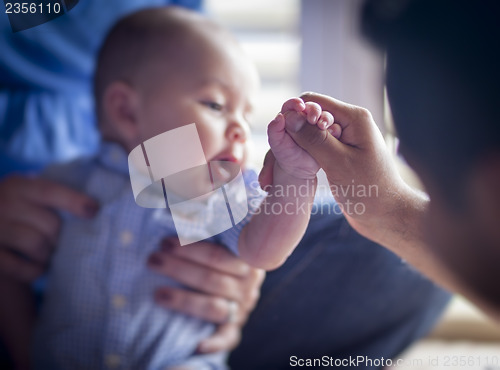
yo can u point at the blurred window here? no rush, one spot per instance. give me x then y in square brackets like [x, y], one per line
[269, 32]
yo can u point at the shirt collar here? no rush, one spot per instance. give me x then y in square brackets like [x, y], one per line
[114, 157]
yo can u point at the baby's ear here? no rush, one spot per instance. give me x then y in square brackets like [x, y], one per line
[120, 110]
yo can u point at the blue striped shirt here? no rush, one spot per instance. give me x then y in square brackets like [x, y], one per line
[99, 310]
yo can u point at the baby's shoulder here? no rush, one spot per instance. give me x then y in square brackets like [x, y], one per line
[72, 174]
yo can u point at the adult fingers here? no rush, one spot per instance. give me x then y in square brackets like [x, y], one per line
[320, 144]
[25, 240]
[15, 266]
[197, 276]
[208, 254]
[39, 218]
[226, 337]
[358, 127]
[209, 308]
[343, 112]
[202, 268]
[50, 194]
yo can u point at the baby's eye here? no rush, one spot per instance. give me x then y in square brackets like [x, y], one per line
[213, 105]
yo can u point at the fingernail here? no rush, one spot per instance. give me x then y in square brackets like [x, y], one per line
[155, 260]
[294, 125]
[90, 209]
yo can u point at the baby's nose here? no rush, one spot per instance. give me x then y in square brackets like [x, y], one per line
[236, 132]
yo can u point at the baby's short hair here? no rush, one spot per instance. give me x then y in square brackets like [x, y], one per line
[141, 36]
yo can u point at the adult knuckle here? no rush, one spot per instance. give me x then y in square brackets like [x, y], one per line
[242, 269]
[215, 255]
[217, 282]
[253, 297]
[214, 308]
[257, 275]
[307, 95]
[171, 267]
[178, 300]
[363, 114]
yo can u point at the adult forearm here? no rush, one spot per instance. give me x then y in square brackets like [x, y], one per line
[403, 231]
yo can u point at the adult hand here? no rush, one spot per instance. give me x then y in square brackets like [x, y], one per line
[29, 224]
[224, 289]
[362, 174]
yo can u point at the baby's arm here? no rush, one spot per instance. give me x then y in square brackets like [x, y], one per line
[279, 224]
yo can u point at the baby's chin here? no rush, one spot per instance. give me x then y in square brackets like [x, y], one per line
[199, 182]
[222, 172]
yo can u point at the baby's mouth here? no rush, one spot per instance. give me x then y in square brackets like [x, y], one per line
[226, 158]
[223, 169]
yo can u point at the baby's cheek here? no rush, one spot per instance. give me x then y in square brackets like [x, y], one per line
[247, 153]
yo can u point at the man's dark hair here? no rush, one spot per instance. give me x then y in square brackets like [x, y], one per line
[443, 80]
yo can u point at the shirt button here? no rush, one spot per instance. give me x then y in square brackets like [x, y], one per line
[119, 301]
[113, 361]
[126, 237]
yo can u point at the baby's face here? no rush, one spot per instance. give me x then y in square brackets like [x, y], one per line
[214, 89]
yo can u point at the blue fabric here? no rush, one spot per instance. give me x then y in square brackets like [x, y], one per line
[339, 294]
[99, 299]
[46, 105]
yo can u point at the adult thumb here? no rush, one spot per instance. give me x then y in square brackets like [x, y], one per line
[320, 144]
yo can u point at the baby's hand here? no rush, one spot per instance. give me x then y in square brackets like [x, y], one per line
[289, 156]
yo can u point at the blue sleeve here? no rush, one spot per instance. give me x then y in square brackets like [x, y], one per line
[46, 103]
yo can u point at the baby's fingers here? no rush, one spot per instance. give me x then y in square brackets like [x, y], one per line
[325, 120]
[277, 125]
[294, 104]
[312, 112]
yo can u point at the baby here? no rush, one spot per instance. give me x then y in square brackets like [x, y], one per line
[158, 70]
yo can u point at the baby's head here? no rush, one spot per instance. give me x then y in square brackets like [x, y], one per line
[163, 68]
